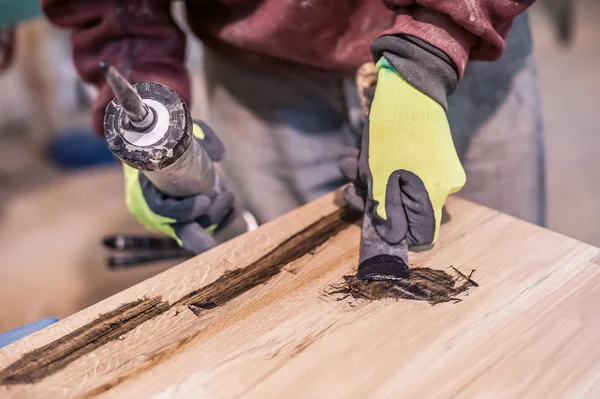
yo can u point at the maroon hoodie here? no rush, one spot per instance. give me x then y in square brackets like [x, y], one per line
[290, 37]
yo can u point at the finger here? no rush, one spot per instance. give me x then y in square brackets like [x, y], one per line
[348, 165]
[194, 238]
[209, 141]
[351, 152]
[354, 197]
[409, 212]
[183, 210]
[395, 225]
[221, 207]
[418, 209]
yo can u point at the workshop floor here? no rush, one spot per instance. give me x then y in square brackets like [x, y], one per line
[51, 222]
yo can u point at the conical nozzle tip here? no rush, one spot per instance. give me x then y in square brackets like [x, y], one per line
[139, 114]
[103, 66]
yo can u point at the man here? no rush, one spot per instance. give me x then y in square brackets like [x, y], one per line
[281, 97]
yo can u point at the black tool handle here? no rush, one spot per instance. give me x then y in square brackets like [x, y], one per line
[124, 242]
[134, 260]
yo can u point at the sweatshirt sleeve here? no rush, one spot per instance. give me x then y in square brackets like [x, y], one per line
[138, 37]
[463, 29]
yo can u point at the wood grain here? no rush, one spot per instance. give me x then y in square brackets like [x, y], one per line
[528, 330]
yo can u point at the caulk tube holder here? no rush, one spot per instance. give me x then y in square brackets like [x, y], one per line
[165, 150]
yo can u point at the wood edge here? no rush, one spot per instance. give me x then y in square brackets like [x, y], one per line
[454, 200]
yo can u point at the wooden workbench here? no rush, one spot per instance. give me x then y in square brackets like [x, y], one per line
[529, 329]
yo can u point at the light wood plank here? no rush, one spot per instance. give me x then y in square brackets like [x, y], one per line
[529, 329]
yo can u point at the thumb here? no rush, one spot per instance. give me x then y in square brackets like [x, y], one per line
[194, 238]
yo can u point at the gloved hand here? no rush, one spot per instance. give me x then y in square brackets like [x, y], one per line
[190, 221]
[406, 167]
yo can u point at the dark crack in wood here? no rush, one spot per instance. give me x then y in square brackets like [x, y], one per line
[235, 282]
[48, 359]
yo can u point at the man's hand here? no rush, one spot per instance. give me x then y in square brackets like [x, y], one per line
[190, 221]
[407, 165]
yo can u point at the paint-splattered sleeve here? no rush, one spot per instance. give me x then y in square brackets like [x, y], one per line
[463, 29]
[138, 37]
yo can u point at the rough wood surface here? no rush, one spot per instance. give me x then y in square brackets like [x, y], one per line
[529, 329]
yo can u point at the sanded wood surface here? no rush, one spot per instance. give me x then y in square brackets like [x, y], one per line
[530, 329]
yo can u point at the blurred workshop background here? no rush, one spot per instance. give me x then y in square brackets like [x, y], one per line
[53, 215]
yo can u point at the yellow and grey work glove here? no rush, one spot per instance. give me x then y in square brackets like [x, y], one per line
[190, 221]
[406, 168]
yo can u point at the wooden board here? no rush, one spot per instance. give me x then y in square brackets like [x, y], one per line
[53, 262]
[530, 329]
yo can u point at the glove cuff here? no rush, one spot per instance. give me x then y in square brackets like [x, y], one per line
[424, 66]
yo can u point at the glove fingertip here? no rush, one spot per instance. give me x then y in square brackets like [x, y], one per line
[350, 152]
[194, 238]
[354, 198]
[349, 168]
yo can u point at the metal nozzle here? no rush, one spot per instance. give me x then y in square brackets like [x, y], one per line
[139, 114]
